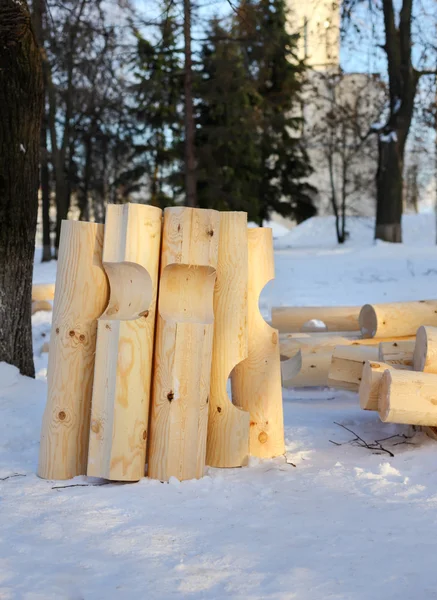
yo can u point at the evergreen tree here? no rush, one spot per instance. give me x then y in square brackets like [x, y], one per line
[158, 97]
[277, 76]
[228, 148]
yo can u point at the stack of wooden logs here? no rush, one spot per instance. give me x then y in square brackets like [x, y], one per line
[388, 355]
[152, 314]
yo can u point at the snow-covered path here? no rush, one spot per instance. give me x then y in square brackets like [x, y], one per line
[343, 523]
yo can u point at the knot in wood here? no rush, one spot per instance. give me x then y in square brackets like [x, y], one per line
[95, 426]
[170, 396]
[263, 437]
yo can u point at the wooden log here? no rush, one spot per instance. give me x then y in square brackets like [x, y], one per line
[335, 318]
[326, 342]
[228, 425]
[425, 350]
[80, 298]
[43, 291]
[347, 365]
[290, 367]
[124, 352]
[256, 381]
[41, 305]
[313, 373]
[183, 351]
[398, 354]
[408, 397]
[370, 382]
[397, 319]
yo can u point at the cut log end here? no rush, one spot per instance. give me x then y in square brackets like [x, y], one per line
[384, 396]
[420, 349]
[368, 321]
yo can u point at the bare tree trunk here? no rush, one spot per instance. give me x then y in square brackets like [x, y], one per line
[190, 157]
[45, 194]
[389, 192]
[21, 101]
[38, 24]
[402, 86]
[84, 204]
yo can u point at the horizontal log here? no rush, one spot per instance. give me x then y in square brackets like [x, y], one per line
[41, 305]
[425, 351]
[396, 319]
[305, 318]
[313, 372]
[398, 354]
[347, 365]
[315, 342]
[43, 291]
[408, 397]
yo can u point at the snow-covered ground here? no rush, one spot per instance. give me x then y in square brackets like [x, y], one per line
[333, 520]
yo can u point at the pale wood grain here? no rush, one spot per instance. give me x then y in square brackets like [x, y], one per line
[398, 354]
[347, 366]
[314, 370]
[408, 397]
[397, 319]
[183, 351]
[326, 342]
[370, 382]
[335, 318]
[228, 425]
[81, 296]
[43, 291]
[425, 350]
[125, 336]
[41, 305]
[256, 381]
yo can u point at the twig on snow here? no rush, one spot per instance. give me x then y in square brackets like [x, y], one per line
[13, 475]
[360, 442]
[62, 487]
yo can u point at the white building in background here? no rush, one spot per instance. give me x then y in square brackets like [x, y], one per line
[318, 24]
[337, 107]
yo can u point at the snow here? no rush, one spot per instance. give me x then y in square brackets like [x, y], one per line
[391, 136]
[334, 520]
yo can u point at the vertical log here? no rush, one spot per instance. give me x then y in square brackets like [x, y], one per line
[178, 424]
[228, 425]
[125, 335]
[81, 294]
[256, 382]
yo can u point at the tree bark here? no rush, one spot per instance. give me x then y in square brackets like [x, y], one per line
[38, 24]
[21, 101]
[45, 196]
[190, 157]
[392, 139]
[389, 192]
